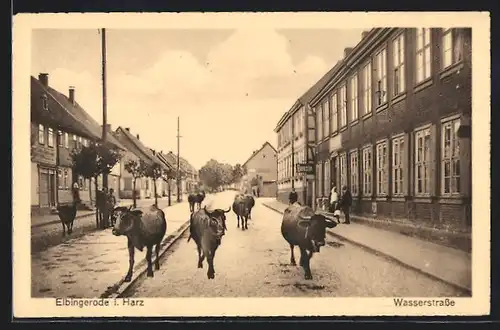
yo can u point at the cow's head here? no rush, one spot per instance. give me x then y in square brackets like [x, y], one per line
[315, 226]
[217, 221]
[125, 218]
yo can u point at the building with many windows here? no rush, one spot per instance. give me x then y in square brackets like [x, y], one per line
[394, 125]
[296, 144]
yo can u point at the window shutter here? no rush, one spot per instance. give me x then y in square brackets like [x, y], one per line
[386, 167]
[434, 158]
[406, 169]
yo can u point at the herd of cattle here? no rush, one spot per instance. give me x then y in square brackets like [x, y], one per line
[300, 226]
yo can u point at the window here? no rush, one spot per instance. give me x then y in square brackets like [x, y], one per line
[381, 76]
[382, 168]
[60, 183]
[398, 53]
[367, 88]
[74, 141]
[41, 134]
[343, 170]
[422, 161]
[86, 142]
[447, 47]
[367, 171]
[354, 98]
[354, 173]
[320, 179]
[50, 137]
[343, 106]
[66, 180]
[66, 140]
[423, 60]
[326, 118]
[397, 165]
[334, 118]
[450, 157]
[45, 104]
[319, 124]
[60, 139]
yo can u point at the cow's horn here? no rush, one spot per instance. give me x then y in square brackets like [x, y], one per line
[229, 209]
[130, 207]
[303, 217]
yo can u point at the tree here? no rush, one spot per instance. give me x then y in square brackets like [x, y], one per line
[238, 173]
[226, 171]
[154, 171]
[92, 161]
[211, 174]
[136, 169]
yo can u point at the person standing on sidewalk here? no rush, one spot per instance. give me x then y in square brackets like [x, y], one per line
[345, 204]
[76, 192]
[334, 201]
[292, 197]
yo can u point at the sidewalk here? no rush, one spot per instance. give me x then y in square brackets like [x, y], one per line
[44, 220]
[450, 265]
[87, 266]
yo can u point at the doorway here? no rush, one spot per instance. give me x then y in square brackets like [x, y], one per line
[47, 187]
[334, 171]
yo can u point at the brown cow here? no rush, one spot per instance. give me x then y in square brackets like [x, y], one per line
[207, 228]
[143, 229]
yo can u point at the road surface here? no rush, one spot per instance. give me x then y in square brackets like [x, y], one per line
[255, 263]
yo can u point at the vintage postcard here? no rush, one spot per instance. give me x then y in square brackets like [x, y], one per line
[259, 164]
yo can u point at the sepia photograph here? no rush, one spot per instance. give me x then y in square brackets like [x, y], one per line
[251, 158]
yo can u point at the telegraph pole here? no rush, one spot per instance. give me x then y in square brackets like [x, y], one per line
[293, 152]
[104, 121]
[178, 163]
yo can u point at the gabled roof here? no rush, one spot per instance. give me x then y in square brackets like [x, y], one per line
[162, 160]
[145, 153]
[77, 112]
[55, 115]
[258, 151]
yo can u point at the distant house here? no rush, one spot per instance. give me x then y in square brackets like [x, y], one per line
[58, 126]
[261, 170]
[136, 151]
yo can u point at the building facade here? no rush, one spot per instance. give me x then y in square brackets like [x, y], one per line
[57, 129]
[394, 126]
[262, 171]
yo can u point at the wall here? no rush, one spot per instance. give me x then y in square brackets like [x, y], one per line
[42, 153]
[446, 92]
[264, 163]
[34, 184]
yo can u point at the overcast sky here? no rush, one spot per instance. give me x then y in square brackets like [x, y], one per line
[229, 87]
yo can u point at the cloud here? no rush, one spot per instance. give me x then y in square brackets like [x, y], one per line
[229, 104]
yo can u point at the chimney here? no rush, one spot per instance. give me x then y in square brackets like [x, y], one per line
[364, 34]
[72, 94]
[127, 129]
[137, 136]
[44, 79]
[347, 51]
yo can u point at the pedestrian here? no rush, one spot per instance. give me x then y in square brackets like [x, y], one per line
[76, 192]
[258, 192]
[334, 199]
[345, 204]
[111, 205]
[292, 197]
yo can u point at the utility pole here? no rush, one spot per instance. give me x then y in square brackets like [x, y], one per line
[293, 151]
[178, 163]
[104, 122]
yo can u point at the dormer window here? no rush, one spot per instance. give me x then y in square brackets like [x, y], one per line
[45, 104]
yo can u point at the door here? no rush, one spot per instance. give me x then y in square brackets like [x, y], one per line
[333, 168]
[47, 187]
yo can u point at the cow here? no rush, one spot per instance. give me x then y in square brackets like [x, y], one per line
[251, 204]
[207, 228]
[195, 199]
[242, 207]
[302, 227]
[143, 229]
[103, 202]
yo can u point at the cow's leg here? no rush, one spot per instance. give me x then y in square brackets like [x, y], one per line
[70, 227]
[201, 257]
[131, 252]
[64, 228]
[157, 260]
[304, 262]
[292, 256]
[210, 261]
[238, 217]
[246, 222]
[149, 252]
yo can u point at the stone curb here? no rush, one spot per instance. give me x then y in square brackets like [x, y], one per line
[116, 290]
[389, 257]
